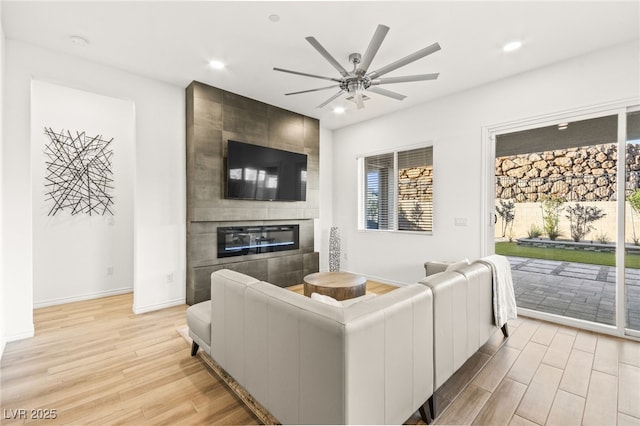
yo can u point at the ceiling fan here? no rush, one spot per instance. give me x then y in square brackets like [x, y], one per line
[359, 81]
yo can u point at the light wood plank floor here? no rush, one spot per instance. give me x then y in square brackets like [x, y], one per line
[96, 362]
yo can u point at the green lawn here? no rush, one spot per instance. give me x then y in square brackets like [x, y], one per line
[578, 256]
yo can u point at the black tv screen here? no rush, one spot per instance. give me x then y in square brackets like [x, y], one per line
[260, 173]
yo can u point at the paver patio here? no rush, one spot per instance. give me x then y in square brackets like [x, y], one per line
[575, 290]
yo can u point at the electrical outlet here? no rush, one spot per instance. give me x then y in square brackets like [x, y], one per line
[109, 270]
[170, 277]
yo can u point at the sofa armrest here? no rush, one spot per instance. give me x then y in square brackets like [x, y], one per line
[432, 267]
[227, 319]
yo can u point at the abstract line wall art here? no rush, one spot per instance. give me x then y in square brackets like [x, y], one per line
[79, 175]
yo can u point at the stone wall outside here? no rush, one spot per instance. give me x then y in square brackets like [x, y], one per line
[416, 184]
[577, 174]
[583, 175]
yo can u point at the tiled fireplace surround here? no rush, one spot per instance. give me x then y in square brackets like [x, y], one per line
[213, 117]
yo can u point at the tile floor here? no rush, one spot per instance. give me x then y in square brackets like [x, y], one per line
[546, 374]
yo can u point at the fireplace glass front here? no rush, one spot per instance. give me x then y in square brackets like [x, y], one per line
[245, 240]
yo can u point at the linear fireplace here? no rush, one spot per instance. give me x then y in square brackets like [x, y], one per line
[245, 240]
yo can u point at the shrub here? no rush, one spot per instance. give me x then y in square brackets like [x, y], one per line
[534, 231]
[602, 238]
[412, 220]
[506, 211]
[551, 206]
[634, 202]
[581, 218]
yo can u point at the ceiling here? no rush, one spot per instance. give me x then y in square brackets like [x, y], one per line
[174, 42]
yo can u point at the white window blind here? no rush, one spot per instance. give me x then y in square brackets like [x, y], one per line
[415, 190]
[379, 191]
[398, 190]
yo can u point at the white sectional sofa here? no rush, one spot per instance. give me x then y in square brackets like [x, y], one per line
[307, 362]
[375, 360]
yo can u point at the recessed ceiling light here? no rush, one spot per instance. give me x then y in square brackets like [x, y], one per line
[215, 64]
[512, 46]
[274, 18]
[339, 110]
[79, 41]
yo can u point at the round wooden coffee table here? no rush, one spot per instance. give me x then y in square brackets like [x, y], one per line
[339, 285]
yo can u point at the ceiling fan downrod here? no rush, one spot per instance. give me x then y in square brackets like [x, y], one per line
[357, 81]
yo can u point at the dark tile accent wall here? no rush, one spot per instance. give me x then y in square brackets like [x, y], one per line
[213, 117]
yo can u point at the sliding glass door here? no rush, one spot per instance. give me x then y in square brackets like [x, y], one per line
[566, 207]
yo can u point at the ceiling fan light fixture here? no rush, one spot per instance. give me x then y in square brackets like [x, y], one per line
[339, 110]
[356, 85]
[512, 46]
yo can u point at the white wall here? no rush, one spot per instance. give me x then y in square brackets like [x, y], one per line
[159, 183]
[98, 248]
[324, 223]
[454, 126]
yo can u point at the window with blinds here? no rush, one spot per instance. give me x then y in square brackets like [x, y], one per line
[398, 191]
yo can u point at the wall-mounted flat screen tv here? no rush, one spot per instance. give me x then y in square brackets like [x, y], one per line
[260, 173]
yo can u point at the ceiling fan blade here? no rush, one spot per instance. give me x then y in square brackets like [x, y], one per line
[374, 45]
[331, 99]
[404, 61]
[307, 75]
[385, 92]
[359, 100]
[404, 79]
[312, 90]
[327, 56]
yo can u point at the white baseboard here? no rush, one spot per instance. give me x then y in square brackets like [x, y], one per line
[82, 297]
[158, 306]
[20, 335]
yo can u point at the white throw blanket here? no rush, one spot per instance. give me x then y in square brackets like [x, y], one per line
[504, 300]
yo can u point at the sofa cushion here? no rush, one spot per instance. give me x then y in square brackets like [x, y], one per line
[199, 320]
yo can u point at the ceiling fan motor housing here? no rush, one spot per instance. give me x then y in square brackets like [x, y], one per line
[355, 84]
[356, 81]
